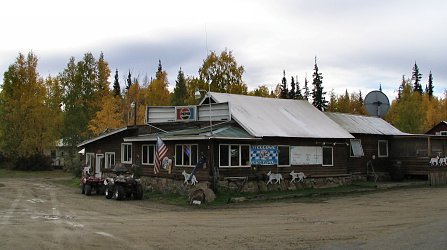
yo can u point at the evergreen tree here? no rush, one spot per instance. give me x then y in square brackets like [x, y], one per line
[292, 94]
[284, 90]
[416, 78]
[129, 81]
[180, 93]
[298, 94]
[306, 92]
[429, 88]
[116, 85]
[401, 88]
[318, 94]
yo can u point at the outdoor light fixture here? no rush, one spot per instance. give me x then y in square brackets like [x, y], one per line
[133, 105]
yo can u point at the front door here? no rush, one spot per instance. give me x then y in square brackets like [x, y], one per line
[99, 164]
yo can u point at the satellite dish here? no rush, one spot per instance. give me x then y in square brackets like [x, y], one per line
[376, 103]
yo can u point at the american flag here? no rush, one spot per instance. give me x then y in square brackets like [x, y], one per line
[161, 151]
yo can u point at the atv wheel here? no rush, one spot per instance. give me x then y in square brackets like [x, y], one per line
[100, 189]
[82, 188]
[138, 194]
[119, 193]
[108, 193]
[88, 189]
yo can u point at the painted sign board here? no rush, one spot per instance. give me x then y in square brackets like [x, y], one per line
[263, 155]
[306, 155]
[205, 112]
[185, 113]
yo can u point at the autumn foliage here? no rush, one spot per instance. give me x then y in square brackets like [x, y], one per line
[80, 102]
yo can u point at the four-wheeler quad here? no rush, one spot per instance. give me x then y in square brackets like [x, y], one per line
[124, 185]
[91, 183]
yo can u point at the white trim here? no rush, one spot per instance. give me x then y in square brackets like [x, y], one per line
[106, 159]
[102, 136]
[378, 149]
[190, 158]
[288, 165]
[240, 155]
[92, 156]
[142, 154]
[322, 156]
[123, 145]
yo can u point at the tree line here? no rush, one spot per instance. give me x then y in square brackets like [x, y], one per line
[78, 103]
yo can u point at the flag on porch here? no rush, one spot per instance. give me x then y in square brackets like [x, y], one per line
[161, 151]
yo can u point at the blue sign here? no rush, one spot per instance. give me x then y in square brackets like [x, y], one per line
[263, 155]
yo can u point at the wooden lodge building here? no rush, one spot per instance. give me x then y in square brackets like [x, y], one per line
[244, 138]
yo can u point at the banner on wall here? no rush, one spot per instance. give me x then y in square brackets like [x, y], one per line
[263, 155]
[306, 155]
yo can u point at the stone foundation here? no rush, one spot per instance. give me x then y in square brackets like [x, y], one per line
[255, 186]
[165, 185]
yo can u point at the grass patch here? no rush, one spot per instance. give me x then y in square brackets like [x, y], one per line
[225, 197]
[71, 182]
[7, 173]
[166, 198]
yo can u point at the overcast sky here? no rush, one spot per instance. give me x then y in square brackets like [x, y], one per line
[359, 44]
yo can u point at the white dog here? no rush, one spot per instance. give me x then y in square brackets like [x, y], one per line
[434, 161]
[276, 177]
[443, 161]
[193, 178]
[300, 176]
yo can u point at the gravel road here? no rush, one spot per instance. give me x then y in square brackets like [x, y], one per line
[37, 214]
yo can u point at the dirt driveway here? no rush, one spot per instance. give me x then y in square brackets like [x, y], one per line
[37, 214]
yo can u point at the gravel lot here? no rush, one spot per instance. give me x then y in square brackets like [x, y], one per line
[37, 214]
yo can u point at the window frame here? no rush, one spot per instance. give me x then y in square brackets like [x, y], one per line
[93, 157]
[332, 157]
[443, 133]
[124, 151]
[142, 154]
[351, 151]
[378, 149]
[183, 153]
[279, 151]
[240, 155]
[106, 160]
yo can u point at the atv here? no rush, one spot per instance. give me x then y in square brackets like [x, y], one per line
[91, 183]
[123, 185]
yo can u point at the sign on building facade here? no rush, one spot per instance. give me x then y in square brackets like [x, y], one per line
[185, 113]
[306, 155]
[263, 155]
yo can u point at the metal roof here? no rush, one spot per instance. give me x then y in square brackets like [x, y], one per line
[104, 136]
[274, 117]
[219, 132]
[358, 124]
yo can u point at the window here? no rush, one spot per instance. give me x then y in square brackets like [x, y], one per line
[186, 154]
[356, 148]
[283, 156]
[147, 153]
[233, 155]
[110, 159]
[90, 157]
[126, 153]
[443, 132]
[328, 156]
[383, 148]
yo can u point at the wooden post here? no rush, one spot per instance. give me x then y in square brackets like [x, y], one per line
[429, 147]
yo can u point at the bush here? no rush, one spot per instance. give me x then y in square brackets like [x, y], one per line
[73, 164]
[37, 162]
